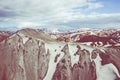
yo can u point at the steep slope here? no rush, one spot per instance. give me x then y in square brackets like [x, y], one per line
[63, 69]
[23, 57]
[74, 61]
[36, 34]
[114, 53]
[68, 68]
[116, 35]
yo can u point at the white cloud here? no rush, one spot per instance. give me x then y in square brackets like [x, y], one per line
[95, 5]
[98, 16]
[54, 13]
[42, 8]
[27, 24]
[94, 20]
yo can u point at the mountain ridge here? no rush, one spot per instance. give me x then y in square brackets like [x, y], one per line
[28, 55]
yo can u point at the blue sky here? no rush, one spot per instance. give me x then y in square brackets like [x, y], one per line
[110, 6]
[59, 14]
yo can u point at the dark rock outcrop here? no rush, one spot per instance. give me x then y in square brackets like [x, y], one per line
[63, 69]
[84, 67]
[94, 38]
[79, 71]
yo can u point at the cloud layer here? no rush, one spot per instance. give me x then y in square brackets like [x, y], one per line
[56, 13]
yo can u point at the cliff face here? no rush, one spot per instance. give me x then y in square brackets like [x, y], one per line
[63, 69]
[82, 68]
[23, 58]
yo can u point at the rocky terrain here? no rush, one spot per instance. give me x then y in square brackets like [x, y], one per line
[5, 34]
[29, 54]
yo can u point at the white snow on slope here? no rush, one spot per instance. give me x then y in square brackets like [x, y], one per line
[90, 49]
[105, 72]
[73, 49]
[98, 64]
[108, 72]
[55, 48]
[24, 38]
[117, 44]
[101, 71]
[73, 34]
[86, 43]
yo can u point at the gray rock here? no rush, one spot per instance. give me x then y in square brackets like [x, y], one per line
[19, 61]
[63, 69]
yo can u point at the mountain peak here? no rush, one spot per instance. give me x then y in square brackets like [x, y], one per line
[33, 33]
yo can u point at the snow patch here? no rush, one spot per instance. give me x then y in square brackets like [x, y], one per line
[117, 44]
[87, 43]
[73, 49]
[54, 50]
[110, 70]
[24, 38]
[102, 50]
[105, 72]
[89, 48]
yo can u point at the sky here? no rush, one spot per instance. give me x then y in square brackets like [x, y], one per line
[59, 14]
